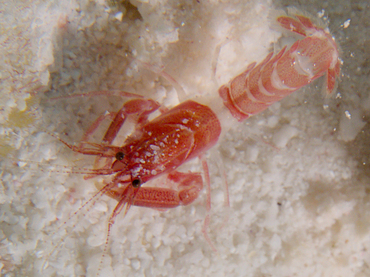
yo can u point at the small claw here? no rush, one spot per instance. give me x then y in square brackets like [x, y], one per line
[292, 25]
[331, 77]
[306, 22]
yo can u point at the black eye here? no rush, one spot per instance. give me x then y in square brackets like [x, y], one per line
[120, 156]
[136, 183]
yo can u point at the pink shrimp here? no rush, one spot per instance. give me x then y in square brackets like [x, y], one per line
[158, 147]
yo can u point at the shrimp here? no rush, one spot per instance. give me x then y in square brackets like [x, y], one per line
[189, 129]
[159, 146]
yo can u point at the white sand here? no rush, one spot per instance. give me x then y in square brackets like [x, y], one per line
[297, 173]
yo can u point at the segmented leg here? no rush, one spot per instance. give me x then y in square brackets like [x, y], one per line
[208, 203]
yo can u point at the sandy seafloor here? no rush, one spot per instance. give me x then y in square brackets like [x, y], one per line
[298, 173]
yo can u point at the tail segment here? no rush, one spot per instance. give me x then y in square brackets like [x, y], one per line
[291, 69]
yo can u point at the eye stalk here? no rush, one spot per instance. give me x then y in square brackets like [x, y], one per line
[120, 156]
[136, 183]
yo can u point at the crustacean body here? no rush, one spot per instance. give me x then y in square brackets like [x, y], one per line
[159, 146]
